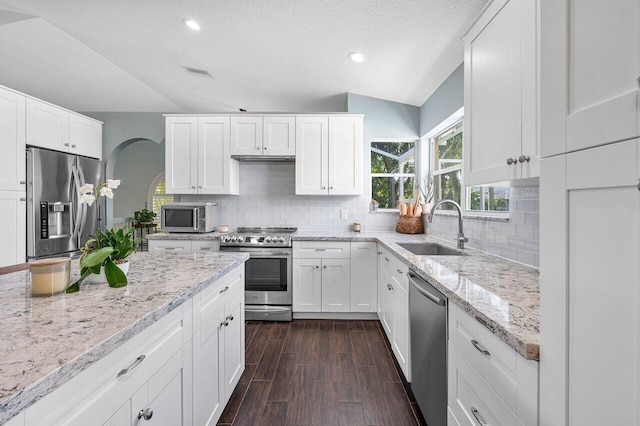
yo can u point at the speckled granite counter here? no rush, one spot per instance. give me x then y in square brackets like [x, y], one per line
[47, 341]
[505, 295]
[183, 236]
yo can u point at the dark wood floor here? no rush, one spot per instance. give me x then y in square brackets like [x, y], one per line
[319, 372]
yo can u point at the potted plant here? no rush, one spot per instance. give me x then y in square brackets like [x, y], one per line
[108, 252]
[144, 216]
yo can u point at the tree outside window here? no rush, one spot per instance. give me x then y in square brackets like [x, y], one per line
[393, 172]
[158, 197]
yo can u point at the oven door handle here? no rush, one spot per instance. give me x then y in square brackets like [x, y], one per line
[269, 254]
[267, 311]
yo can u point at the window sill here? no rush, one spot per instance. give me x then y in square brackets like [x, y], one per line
[474, 216]
[384, 211]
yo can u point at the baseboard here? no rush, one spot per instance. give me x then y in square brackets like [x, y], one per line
[336, 315]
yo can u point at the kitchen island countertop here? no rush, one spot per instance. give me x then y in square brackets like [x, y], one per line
[47, 341]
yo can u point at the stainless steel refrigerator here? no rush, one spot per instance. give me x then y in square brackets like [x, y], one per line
[57, 223]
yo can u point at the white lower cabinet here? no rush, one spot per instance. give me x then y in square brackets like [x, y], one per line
[179, 371]
[489, 383]
[13, 226]
[321, 276]
[218, 346]
[364, 275]
[186, 246]
[393, 307]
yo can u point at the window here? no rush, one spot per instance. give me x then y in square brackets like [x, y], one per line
[157, 196]
[393, 171]
[446, 152]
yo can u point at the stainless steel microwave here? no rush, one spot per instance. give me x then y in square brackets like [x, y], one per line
[189, 217]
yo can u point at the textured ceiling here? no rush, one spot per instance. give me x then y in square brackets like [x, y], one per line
[263, 55]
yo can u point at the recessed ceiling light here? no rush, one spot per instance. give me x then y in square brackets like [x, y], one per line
[191, 24]
[356, 57]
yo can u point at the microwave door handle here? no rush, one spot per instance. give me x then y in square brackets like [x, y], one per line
[195, 219]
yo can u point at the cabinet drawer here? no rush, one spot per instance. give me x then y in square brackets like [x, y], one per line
[205, 245]
[471, 400]
[208, 313]
[395, 268]
[498, 367]
[321, 250]
[170, 245]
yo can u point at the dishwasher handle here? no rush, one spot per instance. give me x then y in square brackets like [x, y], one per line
[434, 299]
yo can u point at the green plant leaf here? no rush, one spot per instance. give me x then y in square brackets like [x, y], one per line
[96, 258]
[115, 277]
[75, 287]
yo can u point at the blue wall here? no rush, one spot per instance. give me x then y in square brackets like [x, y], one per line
[447, 99]
[385, 119]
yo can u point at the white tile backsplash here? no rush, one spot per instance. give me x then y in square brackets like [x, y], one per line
[515, 239]
[268, 199]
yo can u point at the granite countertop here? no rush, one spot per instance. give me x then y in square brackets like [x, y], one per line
[502, 294]
[47, 341]
[184, 236]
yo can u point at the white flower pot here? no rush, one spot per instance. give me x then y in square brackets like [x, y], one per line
[101, 278]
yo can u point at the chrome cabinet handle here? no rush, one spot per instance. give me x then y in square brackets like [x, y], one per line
[331, 187]
[224, 324]
[324, 266]
[224, 289]
[317, 267]
[145, 414]
[321, 249]
[169, 248]
[524, 159]
[399, 271]
[23, 182]
[193, 187]
[380, 253]
[481, 348]
[199, 186]
[258, 148]
[132, 366]
[511, 161]
[23, 199]
[389, 287]
[67, 144]
[387, 259]
[230, 318]
[324, 187]
[478, 416]
[265, 148]
[73, 146]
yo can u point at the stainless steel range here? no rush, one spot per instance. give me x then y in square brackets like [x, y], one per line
[268, 271]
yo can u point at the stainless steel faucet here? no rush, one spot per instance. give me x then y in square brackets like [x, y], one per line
[461, 238]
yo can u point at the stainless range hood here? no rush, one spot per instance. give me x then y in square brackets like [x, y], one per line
[264, 158]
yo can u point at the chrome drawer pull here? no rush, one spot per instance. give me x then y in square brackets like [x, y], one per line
[224, 289]
[321, 249]
[132, 366]
[146, 414]
[478, 416]
[481, 348]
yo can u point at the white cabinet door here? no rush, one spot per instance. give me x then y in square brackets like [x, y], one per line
[170, 245]
[205, 245]
[307, 285]
[217, 172]
[47, 126]
[181, 155]
[13, 227]
[160, 401]
[234, 343]
[500, 94]
[12, 141]
[401, 332]
[246, 135]
[364, 277]
[589, 87]
[312, 151]
[279, 136]
[345, 155]
[336, 288]
[85, 136]
[598, 215]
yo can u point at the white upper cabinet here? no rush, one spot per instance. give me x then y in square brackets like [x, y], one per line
[500, 137]
[246, 135]
[263, 136]
[197, 157]
[329, 155]
[85, 136]
[590, 65]
[51, 127]
[312, 151]
[279, 137]
[12, 141]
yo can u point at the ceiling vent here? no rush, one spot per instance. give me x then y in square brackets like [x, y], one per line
[197, 71]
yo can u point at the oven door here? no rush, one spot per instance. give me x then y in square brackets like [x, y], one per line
[268, 275]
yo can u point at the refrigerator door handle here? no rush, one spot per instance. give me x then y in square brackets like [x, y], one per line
[75, 201]
[83, 206]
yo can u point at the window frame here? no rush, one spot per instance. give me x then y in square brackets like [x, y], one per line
[455, 119]
[151, 192]
[416, 175]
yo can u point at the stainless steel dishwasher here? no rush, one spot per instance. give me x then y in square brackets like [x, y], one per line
[428, 325]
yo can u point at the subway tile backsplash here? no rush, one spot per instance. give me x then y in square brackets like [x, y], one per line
[268, 199]
[516, 239]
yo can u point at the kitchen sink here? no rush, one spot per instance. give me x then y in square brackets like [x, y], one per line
[430, 249]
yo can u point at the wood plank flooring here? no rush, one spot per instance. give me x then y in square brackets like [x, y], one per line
[320, 372]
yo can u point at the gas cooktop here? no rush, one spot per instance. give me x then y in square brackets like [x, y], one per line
[258, 237]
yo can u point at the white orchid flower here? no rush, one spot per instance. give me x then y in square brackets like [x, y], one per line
[87, 188]
[106, 192]
[113, 183]
[88, 198]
